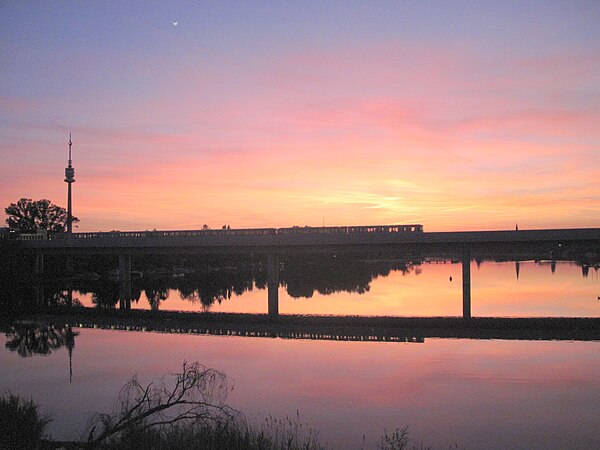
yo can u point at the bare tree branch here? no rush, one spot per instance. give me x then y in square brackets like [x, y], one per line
[197, 395]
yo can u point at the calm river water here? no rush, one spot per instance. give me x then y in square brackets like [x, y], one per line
[473, 393]
[506, 289]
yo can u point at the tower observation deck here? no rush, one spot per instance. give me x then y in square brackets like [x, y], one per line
[69, 179]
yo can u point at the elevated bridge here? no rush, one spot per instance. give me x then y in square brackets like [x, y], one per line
[409, 240]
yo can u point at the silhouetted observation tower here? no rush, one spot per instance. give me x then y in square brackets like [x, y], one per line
[69, 179]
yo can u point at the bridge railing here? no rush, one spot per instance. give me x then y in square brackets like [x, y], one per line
[413, 228]
[182, 233]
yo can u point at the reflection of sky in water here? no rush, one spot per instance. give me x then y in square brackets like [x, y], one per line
[479, 394]
[427, 291]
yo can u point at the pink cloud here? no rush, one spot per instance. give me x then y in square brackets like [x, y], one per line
[382, 133]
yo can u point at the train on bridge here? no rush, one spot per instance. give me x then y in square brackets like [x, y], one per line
[343, 230]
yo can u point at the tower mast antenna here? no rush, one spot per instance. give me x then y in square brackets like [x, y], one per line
[70, 144]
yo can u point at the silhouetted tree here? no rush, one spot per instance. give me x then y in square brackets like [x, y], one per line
[156, 293]
[34, 339]
[106, 295]
[28, 216]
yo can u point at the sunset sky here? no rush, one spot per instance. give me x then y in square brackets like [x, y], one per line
[456, 115]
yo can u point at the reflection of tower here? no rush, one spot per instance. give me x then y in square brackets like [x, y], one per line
[69, 179]
[517, 268]
[70, 344]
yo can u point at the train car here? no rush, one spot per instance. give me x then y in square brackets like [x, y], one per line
[39, 235]
[413, 228]
[313, 230]
[7, 233]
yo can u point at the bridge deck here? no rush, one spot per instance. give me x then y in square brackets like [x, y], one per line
[411, 241]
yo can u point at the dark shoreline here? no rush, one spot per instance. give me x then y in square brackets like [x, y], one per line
[347, 328]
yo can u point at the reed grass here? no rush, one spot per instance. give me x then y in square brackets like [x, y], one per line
[273, 434]
[22, 426]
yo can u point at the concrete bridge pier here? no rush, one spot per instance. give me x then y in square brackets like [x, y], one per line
[40, 298]
[466, 284]
[38, 288]
[70, 269]
[124, 281]
[39, 263]
[273, 284]
[69, 265]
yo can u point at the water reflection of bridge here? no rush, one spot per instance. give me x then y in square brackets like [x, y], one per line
[337, 328]
[282, 334]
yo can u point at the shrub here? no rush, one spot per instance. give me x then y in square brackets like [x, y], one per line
[21, 424]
